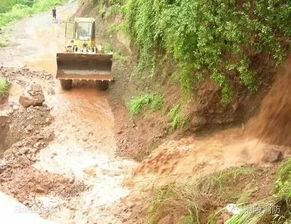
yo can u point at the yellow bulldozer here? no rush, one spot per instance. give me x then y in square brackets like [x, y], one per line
[83, 58]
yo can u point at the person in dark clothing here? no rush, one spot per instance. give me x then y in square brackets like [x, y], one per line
[54, 11]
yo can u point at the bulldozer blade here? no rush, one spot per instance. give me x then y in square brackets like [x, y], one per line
[75, 66]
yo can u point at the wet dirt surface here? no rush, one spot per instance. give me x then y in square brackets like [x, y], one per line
[34, 41]
[83, 149]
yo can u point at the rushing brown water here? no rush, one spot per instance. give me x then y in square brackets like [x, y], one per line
[273, 124]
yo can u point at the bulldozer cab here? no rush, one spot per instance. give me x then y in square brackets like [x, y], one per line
[80, 29]
[85, 29]
[80, 34]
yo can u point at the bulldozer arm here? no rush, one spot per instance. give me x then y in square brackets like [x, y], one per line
[79, 66]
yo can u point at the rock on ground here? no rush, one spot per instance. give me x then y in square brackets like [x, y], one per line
[32, 96]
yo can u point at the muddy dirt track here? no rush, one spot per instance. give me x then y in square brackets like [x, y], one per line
[82, 152]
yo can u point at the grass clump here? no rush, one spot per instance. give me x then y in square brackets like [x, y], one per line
[275, 209]
[270, 210]
[253, 214]
[221, 180]
[4, 87]
[283, 183]
[154, 102]
[184, 202]
[177, 201]
[120, 57]
[177, 120]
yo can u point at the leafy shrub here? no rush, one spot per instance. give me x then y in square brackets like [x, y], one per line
[157, 102]
[4, 86]
[209, 38]
[154, 101]
[177, 121]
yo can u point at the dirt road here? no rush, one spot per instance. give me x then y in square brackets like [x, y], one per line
[83, 149]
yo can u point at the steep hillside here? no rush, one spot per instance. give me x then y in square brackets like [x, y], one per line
[177, 74]
[203, 79]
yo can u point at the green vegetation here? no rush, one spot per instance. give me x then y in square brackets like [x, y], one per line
[4, 87]
[173, 199]
[3, 43]
[154, 102]
[12, 10]
[220, 181]
[109, 8]
[209, 38]
[271, 210]
[107, 48]
[254, 214]
[184, 201]
[283, 183]
[117, 55]
[279, 204]
[176, 119]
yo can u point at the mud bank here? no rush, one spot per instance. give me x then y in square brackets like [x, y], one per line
[4, 129]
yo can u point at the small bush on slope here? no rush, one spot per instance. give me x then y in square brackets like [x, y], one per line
[177, 120]
[4, 86]
[154, 101]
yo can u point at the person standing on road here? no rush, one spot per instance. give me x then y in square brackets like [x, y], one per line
[54, 11]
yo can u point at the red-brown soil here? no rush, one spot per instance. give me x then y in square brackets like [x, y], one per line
[273, 123]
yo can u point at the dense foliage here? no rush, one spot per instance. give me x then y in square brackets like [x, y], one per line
[6, 5]
[11, 10]
[209, 38]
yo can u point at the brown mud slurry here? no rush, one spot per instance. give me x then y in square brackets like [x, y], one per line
[266, 138]
[273, 123]
[84, 116]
